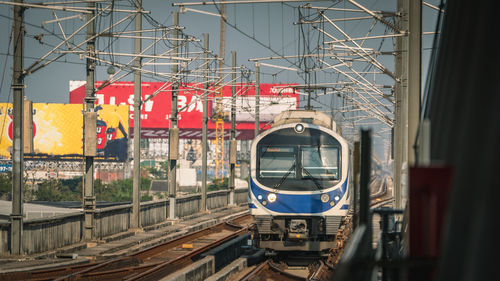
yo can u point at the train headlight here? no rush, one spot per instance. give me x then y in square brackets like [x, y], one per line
[259, 197]
[271, 197]
[336, 198]
[299, 128]
[325, 198]
[332, 203]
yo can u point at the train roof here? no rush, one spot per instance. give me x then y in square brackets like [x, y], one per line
[305, 116]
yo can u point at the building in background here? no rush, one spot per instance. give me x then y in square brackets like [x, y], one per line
[58, 129]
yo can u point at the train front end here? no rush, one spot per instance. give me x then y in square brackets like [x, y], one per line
[299, 191]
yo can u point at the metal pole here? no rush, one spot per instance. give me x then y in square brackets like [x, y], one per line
[414, 74]
[364, 181]
[308, 107]
[174, 131]
[16, 245]
[355, 197]
[257, 98]
[136, 190]
[397, 111]
[244, 159]
[204, 139]
[89, 200]
[400, 106]
[232, 146]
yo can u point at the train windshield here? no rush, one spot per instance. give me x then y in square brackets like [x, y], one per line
[320, 162]
[275, 162]
[307, 161]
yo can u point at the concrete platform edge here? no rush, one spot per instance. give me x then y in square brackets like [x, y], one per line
[198, 271]
[233, 268]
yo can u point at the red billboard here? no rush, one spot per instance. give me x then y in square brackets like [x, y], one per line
[156, 112]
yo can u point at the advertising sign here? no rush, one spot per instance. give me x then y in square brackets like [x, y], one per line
[58, 130]
[156, 111]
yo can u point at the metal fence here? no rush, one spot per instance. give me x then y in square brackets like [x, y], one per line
[46, 234]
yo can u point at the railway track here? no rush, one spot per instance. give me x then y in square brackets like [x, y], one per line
[152, 263]
[323, 269]
[381, 197]
[161, 260]
[269, 271]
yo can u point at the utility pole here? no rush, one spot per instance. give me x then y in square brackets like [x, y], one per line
[16, 245]
[173, 136]
[257, 98]
[400, 105]
[90, 123]
[219, 112]
[364, 181]
[204, 138]
[414, 75]
[136, 190]
[232, 144]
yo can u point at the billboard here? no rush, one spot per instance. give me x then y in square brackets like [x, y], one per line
[156, 112]
[58, 131]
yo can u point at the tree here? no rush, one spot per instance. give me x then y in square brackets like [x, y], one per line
[5, 185]
[219, 184]
[49, 190]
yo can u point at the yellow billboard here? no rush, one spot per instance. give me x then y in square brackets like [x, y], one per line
[58, 130]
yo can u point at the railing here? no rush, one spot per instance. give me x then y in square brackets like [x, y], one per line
[46, 234]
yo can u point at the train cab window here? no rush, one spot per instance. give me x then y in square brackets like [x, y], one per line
[320, 162]
[276, 161]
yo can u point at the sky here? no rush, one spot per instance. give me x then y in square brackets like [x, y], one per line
[253, 31]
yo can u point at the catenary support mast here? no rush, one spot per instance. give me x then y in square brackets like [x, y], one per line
[136, 199]
[204, 138]
[173, 136]
[90, 123]
[16, 246]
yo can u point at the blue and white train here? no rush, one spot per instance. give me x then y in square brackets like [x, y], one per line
[299, 182]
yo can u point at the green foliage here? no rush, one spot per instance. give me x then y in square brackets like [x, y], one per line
[71, 190]
[56, 190]
[145, 183]
[156, 173]
[161, 172]
[119, 190]
[5, 185]
[115, 191]
[219, 184]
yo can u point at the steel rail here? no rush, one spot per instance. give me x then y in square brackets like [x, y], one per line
[138, 264]
[269, 271]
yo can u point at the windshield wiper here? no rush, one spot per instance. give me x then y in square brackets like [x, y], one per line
[315, 181]
[285, 176]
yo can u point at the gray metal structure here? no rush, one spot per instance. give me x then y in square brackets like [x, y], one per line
[204, 138]
[257, 98]
[232, 141]
[173, 136]
[89, 200]
[17, 155]
[462, 105]
[136, 189]
[407, 34]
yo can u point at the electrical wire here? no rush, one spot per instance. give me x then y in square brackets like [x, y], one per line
[1, 86]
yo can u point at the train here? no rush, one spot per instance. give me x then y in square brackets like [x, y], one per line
[299, 183]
